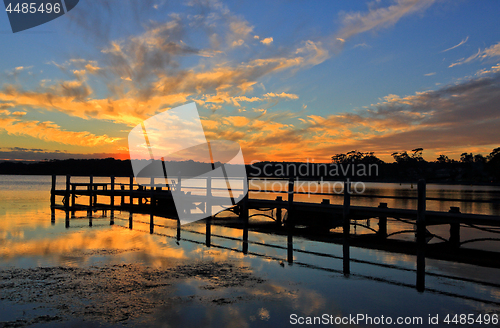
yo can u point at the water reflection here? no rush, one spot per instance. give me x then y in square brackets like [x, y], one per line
[244, 277]
[261, 249]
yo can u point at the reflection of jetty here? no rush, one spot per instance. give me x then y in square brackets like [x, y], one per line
[288, 215]
[331, 261]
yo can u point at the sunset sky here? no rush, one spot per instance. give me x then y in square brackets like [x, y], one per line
[288, 80]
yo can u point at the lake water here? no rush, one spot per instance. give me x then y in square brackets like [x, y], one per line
[105, 271]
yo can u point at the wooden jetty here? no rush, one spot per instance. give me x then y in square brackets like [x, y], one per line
[156, 199]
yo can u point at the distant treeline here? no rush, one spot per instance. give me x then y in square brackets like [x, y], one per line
[97, 167]
[355, 165]
[407, 167]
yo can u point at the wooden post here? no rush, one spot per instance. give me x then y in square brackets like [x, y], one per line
[279, 214]
[421, 230]
[67, 220]
[290, 220]
[346, 209]
[420, 267]
[346, 258]
[289, 248]
[244, 247]
[382, 222]
[66, 197]
[130, 220]
[73, 195]
[245, 216]
[131, 189]
[91, 190]
[112, 191]
[208, 204]
[346, 229]
[122, 198]
[455, 229]
[178, 229]
[53, 216]
[208, 231]
[112, 202]
[291, 185]
[151, 223]
[151, 194]
[52, 191]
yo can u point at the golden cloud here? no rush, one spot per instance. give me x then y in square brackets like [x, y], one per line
[49, 131]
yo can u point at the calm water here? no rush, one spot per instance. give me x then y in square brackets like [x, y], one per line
[379, 283]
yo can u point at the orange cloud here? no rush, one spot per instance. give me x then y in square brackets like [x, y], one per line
[267, 41]
[49, 131]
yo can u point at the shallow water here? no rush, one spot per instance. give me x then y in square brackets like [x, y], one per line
[99, 270]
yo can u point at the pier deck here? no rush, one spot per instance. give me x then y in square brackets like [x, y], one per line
[157, 199]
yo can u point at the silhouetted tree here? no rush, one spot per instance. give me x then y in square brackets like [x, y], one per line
[443, 159]
[355, 156]
[417, 154]
[493, 164]
[410, 166]
[479, 159]
[466, 158]
[494, 155]
[401, 157]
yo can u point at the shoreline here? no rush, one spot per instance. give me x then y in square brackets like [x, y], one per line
[433, 182]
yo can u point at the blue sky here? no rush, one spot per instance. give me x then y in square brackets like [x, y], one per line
[288, 80]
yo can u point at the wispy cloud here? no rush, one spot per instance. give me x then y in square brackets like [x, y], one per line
[458, 45]
[430, 74]
[491, 52]
[361, 45]
[379, 17]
